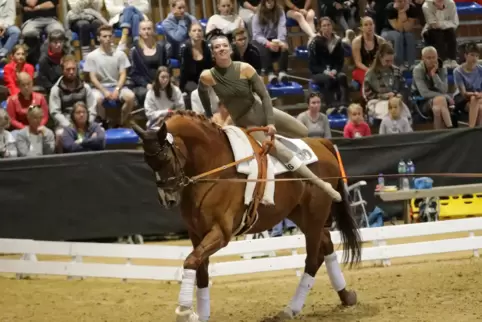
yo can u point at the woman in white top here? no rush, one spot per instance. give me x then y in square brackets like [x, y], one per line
[162, 97]
[226, 20]
[8, 149]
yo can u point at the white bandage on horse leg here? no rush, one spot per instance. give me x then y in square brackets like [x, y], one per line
[297, 302]
[334, 272]
[202, 302]
[294, 163]
[186, 293]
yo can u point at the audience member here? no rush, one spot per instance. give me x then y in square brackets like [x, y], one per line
[197, 105]
[35, 139]
[383, 81]
[147, 56]
[177, 24]
[430, 82]
[16, 65]
[9, 32]
[326, 59]
[356, 127]
[18, 104]
[8, 148]
[468, 82]
[84, 18]
[439, 31]
[195, 56]
[269, 34]
[316, 122]
[107, 70]
[69, 90]
[300, 10]
[225, 20]
[127, 14]
[245, 51]
[394, 123]
[82, 135]
[247, 10]
[341, 11]
[222, 117]
[377, 8]
[287, 224]
[364, 49]
[39, 17]
[162, 96]
[52, 52]
[401, 17]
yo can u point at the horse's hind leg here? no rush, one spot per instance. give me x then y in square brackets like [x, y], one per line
[328, 255]
[202, 292]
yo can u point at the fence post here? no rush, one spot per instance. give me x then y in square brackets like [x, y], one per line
[386, 261]
[476, 251]
[76, 259]
[27, 257]
[128, 263]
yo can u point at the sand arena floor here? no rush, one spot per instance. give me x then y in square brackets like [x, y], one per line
[431, 288]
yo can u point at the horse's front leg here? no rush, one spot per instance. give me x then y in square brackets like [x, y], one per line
[213, 241]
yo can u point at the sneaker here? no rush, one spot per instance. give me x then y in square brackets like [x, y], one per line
[272, 79]
[283, 77]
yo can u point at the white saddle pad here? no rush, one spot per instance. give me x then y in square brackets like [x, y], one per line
[242, 148]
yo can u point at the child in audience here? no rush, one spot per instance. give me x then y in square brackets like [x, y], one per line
[394, 122]
[221, 117]
[356, 126]
[16, 65]
[8, 149]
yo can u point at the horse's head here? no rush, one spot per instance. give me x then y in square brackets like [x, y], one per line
[167, 161]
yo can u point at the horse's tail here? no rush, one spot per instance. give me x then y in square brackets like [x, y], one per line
[342, 212]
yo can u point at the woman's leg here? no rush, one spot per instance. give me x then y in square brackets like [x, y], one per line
[140, 93]
[441, 113]
[450, 40]
[410, 49]
[310, 19]
[283, 64]
[396, 39]
[288, 126]
[130, 16]
[188, 89]
[435, 38]
[324, 82]
[473, 111]
[83, 29]
[266, 60]
[342, 82]
[94, 26]
[479, 113]
[304, 25]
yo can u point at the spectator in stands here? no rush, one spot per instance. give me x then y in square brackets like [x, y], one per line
[107, 70]
[222, 117]
[9, 33]
[197, 105]
[356, 127]
[245, 51]
[468, 80]
[194, 56]
[16, 65]
[39, 17]
[269, 34]
[8, 149]
[35, 139]
[439, 31]
[247, 10]
[52, 52]
[177, 25]
[127, 14]
[341, 11]
[401, 16]
[300, 10]
[287, 224]
[430, 82]
[68, 90]
[84, 18]
[326, 59]
[18, 104]
[82, 135]
[364, 49]
[147, 56]
[395, 123]
[163, 95]
[226, 20]
[383, 81]
[316, 122]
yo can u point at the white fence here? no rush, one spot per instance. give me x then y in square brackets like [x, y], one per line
[30, 248]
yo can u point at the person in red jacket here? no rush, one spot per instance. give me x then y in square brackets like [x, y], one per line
[16, 65]
[356, 126]
[17, 105]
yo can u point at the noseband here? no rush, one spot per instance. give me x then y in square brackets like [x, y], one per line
[180, 180]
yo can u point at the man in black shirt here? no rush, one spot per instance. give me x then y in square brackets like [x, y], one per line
[39, 16]
[245, 51]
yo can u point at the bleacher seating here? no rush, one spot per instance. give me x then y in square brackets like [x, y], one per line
[3, 104]
[464, 8]
[337, 120]
[121, 136]
[284, 89]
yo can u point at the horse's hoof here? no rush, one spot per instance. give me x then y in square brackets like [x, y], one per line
[286, 314]
[186, 315]
[348, 298]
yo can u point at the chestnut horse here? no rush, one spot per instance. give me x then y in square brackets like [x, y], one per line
[186, 144]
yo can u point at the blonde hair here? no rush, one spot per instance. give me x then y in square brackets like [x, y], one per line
[35, 110]
[397, 102]
[354, 107]
[4, 119]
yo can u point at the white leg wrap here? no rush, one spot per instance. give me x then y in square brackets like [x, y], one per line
[334, 272]
[186, 293]
[294, 163]
[203, 305]
[297, 302]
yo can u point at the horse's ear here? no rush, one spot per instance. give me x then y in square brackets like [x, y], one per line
[162, 132]
[139, 131]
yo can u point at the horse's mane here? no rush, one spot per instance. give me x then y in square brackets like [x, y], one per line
[201, 119]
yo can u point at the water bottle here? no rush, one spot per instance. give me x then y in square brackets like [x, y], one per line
[381, 182]
[411, 171]
[402, 170]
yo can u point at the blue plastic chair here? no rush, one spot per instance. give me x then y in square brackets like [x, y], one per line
[284, 89]
[3, 104]
[291, 22]
[121, 136]
[468, 8]
[174, 63]
[301, 52]
[159, 28]
[337, 120]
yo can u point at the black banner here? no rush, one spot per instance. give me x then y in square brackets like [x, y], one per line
[112, 193]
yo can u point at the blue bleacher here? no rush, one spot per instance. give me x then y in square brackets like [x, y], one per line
[3, 104]
[284, 89]
[337, 120]
[204, 23]
[159, 28]
[117, 33]
[121, 136]
[1, 73]
[468, 8]
[81, 65]
[301, 52]
[174, 63]
[291, 22]
[314, 88]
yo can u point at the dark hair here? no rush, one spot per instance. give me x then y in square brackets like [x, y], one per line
[313, 94]
[383, 49]
[57, 34]
[18, 47]
[269, 15]
[472, 48]
[239, 32]
[156, 86]
[78, 105]
[67, 59]
[104, 28]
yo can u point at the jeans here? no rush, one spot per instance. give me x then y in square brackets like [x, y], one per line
[444, 40]
[278, 229]
[131, 18]
[9, 40]
[403, 44]
[32, 32]
[268, 58]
